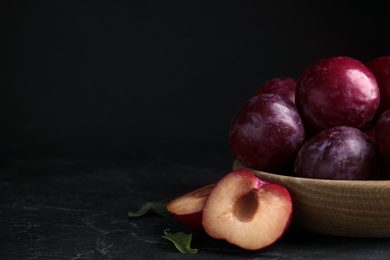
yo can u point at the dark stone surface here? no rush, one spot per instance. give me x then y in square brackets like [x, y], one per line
[76, 208]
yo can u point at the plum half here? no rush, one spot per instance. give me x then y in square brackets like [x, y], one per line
[246, 211]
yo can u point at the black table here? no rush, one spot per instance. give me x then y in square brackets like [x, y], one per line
[76, 208]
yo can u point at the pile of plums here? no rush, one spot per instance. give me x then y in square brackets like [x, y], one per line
[332, 122]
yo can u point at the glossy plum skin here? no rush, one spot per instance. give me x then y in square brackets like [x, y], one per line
[380, 67]
[336, 91]
[382, 135]
[266, 133]
[283, 86]
[339, 153]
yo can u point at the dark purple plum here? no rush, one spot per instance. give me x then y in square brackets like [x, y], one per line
[266, 133]
[336, 91]
[339, 153]
[380, 66]
[382, 135]
[283, 86]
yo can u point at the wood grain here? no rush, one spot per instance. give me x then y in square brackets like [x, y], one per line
[336, 207]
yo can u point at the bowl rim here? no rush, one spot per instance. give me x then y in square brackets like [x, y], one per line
[282, 178]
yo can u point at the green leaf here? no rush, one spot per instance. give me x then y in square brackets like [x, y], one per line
[156, 207]
[182, 241]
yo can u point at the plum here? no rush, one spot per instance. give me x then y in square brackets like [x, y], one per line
[382, 135]
[266, 133]
[284, 86]
[380, 66]
[336, 91]
[246, 211]
[339, 153]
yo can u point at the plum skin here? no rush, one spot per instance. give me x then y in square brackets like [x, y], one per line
[339, 153]
[284, 86]
[380, 67]
[336, 91]
[382, 135]
[266, 133]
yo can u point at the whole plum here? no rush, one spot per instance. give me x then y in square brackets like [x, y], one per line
[266, 133]
[336, 91]
[339, 153]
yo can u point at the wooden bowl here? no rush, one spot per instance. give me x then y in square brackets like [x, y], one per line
[336, 207]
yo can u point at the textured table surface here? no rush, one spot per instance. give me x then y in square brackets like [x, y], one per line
[76, 208]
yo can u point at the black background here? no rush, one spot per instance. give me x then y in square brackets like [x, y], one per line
[112, 77]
